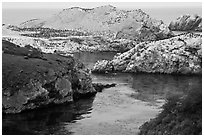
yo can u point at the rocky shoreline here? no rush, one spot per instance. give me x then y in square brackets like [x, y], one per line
[39, 70]
[32, 79]
[178, 55]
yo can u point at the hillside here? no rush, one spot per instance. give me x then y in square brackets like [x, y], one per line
[187, 23]
[180, 116]
[106, 20]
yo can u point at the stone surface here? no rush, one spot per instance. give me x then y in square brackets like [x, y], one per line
[181, 55]
[40, 79]
[187, 23]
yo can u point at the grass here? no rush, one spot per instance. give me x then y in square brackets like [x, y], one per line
[180, 116]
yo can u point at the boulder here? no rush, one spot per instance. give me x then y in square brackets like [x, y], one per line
[100, 86]
[103, 66]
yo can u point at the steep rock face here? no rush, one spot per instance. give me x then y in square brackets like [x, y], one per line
[107, 21]
[187, 23]
[32, 79]
[181, 54]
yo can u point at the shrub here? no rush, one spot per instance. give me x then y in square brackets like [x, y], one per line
[180, 115]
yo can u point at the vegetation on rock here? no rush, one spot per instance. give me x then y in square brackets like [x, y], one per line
[180, 116]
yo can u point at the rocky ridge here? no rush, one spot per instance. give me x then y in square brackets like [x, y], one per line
[180, 55]
[106, 21]
[187, 23]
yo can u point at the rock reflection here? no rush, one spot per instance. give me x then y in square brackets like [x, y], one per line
[152, 88]
[156, 87]
[49, 120]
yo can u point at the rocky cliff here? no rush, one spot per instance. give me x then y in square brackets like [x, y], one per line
[107, 21]
[181, 55]
[32, 79]
[187, 23]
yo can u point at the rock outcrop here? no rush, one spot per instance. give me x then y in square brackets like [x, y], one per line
[100, 86]
[32, 79]
[187, 23]
[106, 21]
[181, 55]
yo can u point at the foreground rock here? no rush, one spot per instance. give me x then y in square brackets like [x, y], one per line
[99, 86]
[31, 79]
[187, 23]
[105, 21]
[180, 116]
[180, 55]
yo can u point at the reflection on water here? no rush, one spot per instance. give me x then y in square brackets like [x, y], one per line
[118, 110]
[46, 120]
[152, 87]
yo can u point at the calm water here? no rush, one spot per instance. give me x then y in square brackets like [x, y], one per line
[118, 110]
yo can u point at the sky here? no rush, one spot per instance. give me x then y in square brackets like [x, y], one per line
[123, 5]
[17, 12]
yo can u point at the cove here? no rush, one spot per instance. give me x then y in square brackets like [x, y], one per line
[118, 110]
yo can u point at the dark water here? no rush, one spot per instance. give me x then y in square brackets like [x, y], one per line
[46, 120]
[118, 110]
